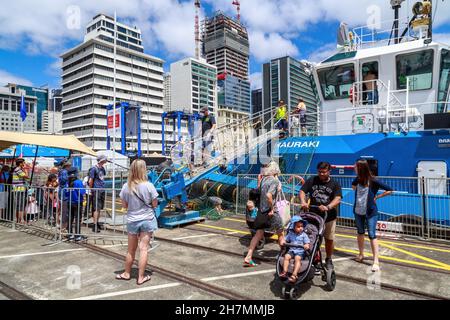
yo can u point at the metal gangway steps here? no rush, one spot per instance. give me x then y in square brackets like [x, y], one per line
[232, 142]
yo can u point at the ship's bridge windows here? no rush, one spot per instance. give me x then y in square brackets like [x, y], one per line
[418, 67]
[444, 82]
[337, 81]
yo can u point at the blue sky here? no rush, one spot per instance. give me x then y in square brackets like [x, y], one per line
[34, 34]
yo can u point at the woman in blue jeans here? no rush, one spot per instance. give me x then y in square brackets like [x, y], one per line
[140, 198]
[365, 208]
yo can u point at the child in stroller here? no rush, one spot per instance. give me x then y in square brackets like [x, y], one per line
[312, 260]
[298, 243]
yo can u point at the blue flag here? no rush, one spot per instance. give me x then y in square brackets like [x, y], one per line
[23, 109]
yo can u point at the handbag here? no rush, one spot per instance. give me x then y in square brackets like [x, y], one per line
[283, 206]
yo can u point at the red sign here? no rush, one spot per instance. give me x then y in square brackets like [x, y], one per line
[111, 121]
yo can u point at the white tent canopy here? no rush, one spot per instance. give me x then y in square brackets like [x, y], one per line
[122, 162]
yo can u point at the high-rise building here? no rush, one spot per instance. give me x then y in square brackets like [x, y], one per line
[226, 46]
[256, 101]
[167, 92]
[289, 80]
[52, 122]
[55, 102]
[10, 102]
[195, 84]
[42, 96]
[234, 93]
[88, 84]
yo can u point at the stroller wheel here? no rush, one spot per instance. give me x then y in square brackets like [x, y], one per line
[331, 280]
[261, 244]
[293, 294]
[283, 292]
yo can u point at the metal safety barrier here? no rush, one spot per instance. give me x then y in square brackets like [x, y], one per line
[418, 207]
[67, 213]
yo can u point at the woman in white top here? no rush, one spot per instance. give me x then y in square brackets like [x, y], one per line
[140, 198]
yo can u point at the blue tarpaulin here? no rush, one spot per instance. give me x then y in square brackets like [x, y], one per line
[30, 151]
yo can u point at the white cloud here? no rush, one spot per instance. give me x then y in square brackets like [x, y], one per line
[49, 26]
[6, 77]
[256, 80]
[268, 46]
[281, 19]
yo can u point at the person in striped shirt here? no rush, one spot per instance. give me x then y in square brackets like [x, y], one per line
[19, 180]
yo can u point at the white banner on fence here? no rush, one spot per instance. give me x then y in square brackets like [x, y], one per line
[389, 226]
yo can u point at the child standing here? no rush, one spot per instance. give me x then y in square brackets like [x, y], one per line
[31, 208]
[296, 236]
[73, 198]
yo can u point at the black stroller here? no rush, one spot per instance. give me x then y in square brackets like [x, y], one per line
[313, 260]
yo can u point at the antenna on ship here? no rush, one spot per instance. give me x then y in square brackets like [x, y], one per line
[421, 23]
[396, 5]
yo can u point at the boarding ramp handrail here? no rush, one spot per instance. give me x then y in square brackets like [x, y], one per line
[225, 142]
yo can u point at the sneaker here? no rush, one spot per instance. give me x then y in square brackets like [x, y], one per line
[95, 229]
[329, 264]
[71, 238]
[317, 270]
[80, 238]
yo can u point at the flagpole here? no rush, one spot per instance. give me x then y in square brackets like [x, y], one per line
[114, 124]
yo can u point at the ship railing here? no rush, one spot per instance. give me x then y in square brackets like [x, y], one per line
[365, 119]
[419, 207]
[378, 34]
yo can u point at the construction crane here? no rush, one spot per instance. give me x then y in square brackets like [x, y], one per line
[197, 29]
[237, 3]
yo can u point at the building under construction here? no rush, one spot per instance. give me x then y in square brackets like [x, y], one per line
[226, 46]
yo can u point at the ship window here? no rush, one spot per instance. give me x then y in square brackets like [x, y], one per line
[418, 67]
[337, 81]
[444, 82]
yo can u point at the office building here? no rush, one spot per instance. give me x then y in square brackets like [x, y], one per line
[52, 122]
[256, 101]
[195, 84]
[234, 93]
[289, 80]
[167, 92]
[88, 84]
[10, 103]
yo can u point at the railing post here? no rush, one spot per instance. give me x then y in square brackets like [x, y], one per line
[237, 194]
[407, 104]
[424, 209]
[388, 126]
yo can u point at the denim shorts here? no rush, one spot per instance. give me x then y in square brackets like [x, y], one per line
[367, 221]
[137, 227]
[293, 253]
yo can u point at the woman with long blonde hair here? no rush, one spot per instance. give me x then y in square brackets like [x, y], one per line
[140, 198]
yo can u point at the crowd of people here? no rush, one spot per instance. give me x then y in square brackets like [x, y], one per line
[321, 195]
[64, 200]
[68, 198]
